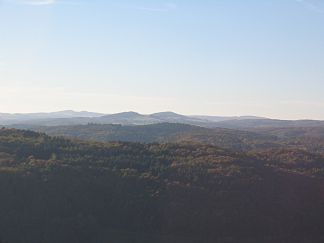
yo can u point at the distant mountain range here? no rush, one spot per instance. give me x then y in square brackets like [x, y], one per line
[69, 117]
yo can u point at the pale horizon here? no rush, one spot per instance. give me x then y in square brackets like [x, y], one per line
[220, 58]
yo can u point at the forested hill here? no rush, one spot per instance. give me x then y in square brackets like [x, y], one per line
[162, 133]
[59, 190]
[307, 138]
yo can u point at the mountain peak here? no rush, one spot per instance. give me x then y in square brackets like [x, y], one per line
[127, 114]
[167, 114]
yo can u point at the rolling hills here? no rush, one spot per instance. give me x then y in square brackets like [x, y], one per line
[60, 190]
[307, 138]
[163, 178]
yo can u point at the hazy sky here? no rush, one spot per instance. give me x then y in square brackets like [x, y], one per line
[216, 57]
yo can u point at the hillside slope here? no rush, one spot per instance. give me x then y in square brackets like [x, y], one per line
[163, 133]
[58, 190]
[308, 138]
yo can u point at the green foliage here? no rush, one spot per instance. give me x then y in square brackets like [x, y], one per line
[59, 190]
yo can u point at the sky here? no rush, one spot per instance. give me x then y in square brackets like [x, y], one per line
[206, 57]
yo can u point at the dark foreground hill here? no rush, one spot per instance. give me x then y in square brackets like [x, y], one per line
[58, 190]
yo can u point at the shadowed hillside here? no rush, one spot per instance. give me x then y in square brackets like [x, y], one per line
[163, 133]
[307, 138]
